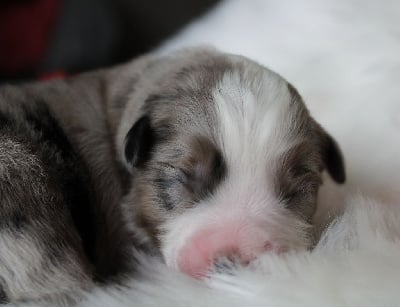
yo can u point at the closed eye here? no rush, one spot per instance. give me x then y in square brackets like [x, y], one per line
[181, 175]
[198, 174]
[301, 185]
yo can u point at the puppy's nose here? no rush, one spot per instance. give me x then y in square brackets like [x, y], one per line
[198, 260]
[218, 251]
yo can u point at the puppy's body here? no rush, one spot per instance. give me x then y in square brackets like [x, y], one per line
[60, 186]
[215, 155]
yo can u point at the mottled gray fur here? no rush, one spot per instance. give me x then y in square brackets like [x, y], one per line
[42, 255]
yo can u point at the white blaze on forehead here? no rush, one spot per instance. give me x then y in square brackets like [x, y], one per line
[252, 113]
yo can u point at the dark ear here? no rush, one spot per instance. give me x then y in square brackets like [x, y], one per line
[139, 142]
[333, 159]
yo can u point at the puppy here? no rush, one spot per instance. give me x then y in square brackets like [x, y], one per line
[225, 160]
[200, 155]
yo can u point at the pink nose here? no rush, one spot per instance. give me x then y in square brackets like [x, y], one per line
[204, 250]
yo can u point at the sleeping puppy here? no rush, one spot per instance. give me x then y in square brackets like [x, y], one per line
[199, 154]
[225, 159]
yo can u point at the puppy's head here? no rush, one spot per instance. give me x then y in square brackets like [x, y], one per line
[225, 158]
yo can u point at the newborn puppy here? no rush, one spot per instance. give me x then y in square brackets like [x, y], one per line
[200, 154]
[225, 159]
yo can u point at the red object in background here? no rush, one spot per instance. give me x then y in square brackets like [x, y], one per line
[25, 29]
[53, 75]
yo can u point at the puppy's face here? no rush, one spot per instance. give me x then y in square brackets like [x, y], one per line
[226, 162]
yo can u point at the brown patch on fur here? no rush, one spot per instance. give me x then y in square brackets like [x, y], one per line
[298, 178]
[203, 169]
[305, 126]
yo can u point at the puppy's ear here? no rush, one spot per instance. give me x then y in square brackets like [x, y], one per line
[333, 158]
[139, 142]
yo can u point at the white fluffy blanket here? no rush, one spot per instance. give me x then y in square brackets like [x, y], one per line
[344, 57]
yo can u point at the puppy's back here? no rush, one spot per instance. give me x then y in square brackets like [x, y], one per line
[41, 186]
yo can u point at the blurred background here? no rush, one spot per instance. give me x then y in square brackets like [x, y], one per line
[50, 38]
